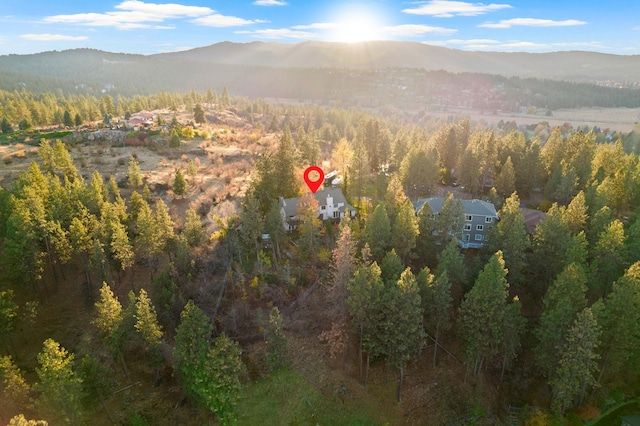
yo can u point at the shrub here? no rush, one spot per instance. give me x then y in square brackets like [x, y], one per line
[6, 159]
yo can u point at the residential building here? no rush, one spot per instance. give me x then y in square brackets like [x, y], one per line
[332, 205]
[478, 214]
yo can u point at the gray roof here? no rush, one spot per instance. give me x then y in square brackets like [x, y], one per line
[473, 207]
[290, 205]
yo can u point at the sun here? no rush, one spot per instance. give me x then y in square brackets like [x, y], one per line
[356, 24]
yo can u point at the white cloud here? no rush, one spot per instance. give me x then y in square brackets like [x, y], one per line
[220, 21]
[409, 30]
[269, 3]
[316, 26]
[531, 22]
[280, 34]
[53, 37]
[135, 14]
[167, 10]
[449, 9]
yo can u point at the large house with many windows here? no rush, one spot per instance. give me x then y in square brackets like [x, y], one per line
[332, 205]
[478, 215]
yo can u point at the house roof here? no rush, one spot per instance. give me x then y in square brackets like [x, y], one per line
[290, 205]
[473, 207]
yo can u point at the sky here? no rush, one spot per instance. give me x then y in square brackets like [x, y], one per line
[145, 27]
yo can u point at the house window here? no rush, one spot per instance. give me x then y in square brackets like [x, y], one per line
[323, 207]
[468, 217]
[480, 228]
[336, 214]
[465, 237]
[467, 227]
[488, 219]
[478, 237]
[432, 216]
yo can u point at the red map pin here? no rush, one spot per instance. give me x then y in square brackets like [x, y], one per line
[314, 184]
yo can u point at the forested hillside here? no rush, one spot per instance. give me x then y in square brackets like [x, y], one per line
[438, 87]
[132, 300]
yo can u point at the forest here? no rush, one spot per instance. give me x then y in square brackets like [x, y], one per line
[148, 308]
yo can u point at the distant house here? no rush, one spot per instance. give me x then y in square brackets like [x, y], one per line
[478, 214]
[142, 119]
[332, 205]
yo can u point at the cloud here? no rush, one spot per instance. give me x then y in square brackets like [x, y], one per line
[220, 21]
[449, 9]
[53, 37]
[280, 34]
[316, 26]
[135, 14]
[531, 22]
[269, 3]
[409, 30]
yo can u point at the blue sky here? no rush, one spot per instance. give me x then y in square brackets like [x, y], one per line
[146, 27]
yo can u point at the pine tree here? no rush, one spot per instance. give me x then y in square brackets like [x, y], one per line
[135, 176]
[509, 234]
[61, 388]
[192, 346]
[14, 386]
[179, 184]
[564, 299]
[404, 231]
[146, 322]
[67, 120]
[193, 229]
[198, 114]
[174, 138]
[619, 317]
[276, 341]
[377, 232]
[482, 314]
[437, 307]
[577, 362]
[284, 167]
[506, 179]
[403, 325]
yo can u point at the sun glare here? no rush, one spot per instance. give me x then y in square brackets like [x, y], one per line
[354, 25]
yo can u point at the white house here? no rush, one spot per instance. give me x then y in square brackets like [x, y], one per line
[332, 205]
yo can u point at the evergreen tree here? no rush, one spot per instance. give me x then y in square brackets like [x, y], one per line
[174, 138]
[146, 322]
[437, 303]
[276, 341]
[284, 167]
[198, 114]
[403, 324]
[506, 179]
[482, 314]
[67, 120]
[14, 386]
[391, 267]
[561, 304]
[61, 388]
[220, 387]
[619, 317]
[193, 229]
[251, 228]
[577, 362]
[449, 221]
[179, 184]
[5, 126]
[404, 231]
[192, 346]
[509, 234]
[377, 232]
[135, 175]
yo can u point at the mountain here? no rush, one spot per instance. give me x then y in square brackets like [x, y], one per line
[572, 65]
[374, 74]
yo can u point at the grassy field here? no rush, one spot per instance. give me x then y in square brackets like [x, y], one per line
[286, 398]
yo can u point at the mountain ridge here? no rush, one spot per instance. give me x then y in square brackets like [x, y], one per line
[580, 66]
